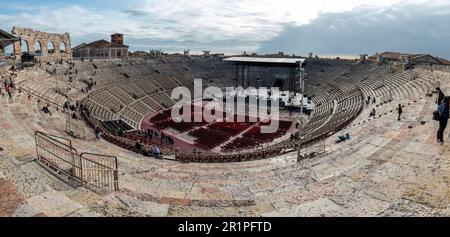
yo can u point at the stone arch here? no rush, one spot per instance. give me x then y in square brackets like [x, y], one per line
[9, 50]
[38, 47]
[50, 47]
[62, 47]
[24, 46]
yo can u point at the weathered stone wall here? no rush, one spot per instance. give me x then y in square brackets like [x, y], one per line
[31, 36]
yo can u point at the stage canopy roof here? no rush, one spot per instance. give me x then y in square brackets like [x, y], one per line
[265, 60]
[7, 39]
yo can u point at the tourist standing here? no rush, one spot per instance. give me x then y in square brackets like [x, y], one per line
[8, 90]
[443, 118]
[373, 113]
[400, 111]
[138, 147]
[157, 152]
[97, 132]
[440, 97]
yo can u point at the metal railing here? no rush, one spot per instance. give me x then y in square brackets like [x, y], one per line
[100, 171]
[91, 170]
[58, 154]
[36, 94]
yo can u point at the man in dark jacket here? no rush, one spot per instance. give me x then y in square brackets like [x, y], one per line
[138, 147]
[443, 118]
[440, 97]
[400, 111]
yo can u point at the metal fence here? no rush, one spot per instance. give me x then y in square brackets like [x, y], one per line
[58, 154]
[91, 170]
[100, 171]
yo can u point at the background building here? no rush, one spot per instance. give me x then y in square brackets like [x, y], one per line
[102, 49]
[396, 58]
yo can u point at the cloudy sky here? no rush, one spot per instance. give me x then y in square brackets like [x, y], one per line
[324, 27]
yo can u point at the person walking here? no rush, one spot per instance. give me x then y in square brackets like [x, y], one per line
[8, 90]
[400, 111]
[443, 118]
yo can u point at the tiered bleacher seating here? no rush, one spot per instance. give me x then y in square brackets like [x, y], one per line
[165, 82]
[107, 100]
[120, 94]
[133, 90]
[145, 84]
[141, 107]
[130, 116]
[337, 88]
[151, 103]
[163, 99]
[116, 126]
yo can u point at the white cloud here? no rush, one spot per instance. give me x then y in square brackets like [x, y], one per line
[255, 19]
[413, 28]
[192, 22]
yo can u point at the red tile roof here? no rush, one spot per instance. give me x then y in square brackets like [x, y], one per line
[101, 44]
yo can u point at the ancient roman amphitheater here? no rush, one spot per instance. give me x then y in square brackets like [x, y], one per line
[388, 167]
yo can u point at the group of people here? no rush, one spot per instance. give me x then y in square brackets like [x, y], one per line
[89, 84]
[156, 151]
[244, 156]
[368, 100]
[343, 138]
[154, 135]
[46, 109]
[399, 111]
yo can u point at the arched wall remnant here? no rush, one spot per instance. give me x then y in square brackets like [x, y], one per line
[33, 36]
[25, 46]
[62, 47]
[37, 47]
[50, 47]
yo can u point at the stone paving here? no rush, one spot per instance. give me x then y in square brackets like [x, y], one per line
[388, 168]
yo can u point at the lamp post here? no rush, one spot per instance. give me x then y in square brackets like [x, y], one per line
[69, 79]
[56, 78]
[302, 86]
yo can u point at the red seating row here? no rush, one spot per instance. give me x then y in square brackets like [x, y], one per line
[233, 128]
[242, 143]
[165, 115]
[256, 133]
[209, 138]
[181, 126]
